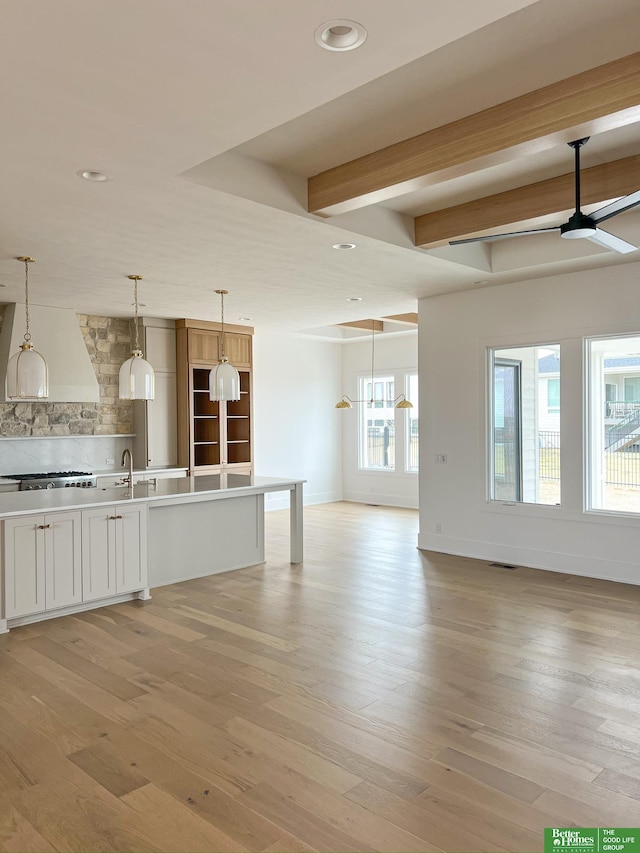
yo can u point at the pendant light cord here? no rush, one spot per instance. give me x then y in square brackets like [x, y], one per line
[135, 302]
[222, 323]
[222, 293]
[27, 334]
[373, 350]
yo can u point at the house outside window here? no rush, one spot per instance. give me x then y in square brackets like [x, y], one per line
[613, 424]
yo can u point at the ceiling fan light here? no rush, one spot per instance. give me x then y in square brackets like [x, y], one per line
[576, 233]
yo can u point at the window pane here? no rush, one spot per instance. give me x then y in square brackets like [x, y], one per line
[525, 424]
[412, 423]
[377, 424]
[613, 452]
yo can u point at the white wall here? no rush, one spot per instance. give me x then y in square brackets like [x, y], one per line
[380, 487]
[297, 430]
[455, 331]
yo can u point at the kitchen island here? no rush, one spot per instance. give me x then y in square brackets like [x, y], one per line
[66, 550]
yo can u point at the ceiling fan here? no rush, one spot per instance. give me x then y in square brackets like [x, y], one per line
[579, 225]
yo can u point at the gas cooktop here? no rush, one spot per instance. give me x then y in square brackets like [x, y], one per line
[54, 480]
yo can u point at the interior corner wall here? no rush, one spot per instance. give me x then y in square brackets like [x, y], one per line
[380, 487]
[455, 332]
[297, 430]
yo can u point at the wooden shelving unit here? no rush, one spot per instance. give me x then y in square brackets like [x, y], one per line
[212, 436]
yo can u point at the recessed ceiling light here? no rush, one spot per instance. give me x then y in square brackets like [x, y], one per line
[344, 245]
[93, 175]
[244, 318]
[340, 35]
[354, 298]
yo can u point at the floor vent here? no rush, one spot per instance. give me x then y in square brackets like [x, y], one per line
[503, 565]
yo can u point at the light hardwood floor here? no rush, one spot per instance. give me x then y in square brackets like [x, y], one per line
[374, 698]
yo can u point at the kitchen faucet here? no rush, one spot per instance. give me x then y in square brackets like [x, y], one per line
[124, 456]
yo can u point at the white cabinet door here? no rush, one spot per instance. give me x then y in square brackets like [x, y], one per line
[161, 348]
[131, 548]
[162, 436]
[24, 565]
[62, 550]
[98, 553]
[114, 550]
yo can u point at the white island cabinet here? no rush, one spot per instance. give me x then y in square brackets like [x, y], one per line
[114, 550]
[67, 550]
[42, 563]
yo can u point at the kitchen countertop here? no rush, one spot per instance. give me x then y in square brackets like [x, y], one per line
[116, 472]
[165, 492]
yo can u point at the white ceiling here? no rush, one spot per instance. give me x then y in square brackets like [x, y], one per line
[211, 114]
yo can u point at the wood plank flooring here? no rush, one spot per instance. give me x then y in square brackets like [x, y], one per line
[374, 698]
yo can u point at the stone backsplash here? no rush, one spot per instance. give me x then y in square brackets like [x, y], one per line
[108, 342]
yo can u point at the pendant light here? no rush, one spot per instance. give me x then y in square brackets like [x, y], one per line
[399, 402]
[136, 379]
[224, 379]
[27, 372]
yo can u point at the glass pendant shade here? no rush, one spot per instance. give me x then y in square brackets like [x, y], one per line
[136, 378]
[27, 375]
[224, 382]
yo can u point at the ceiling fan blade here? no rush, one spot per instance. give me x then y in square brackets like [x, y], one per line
[616, 207]
[502, 236]
[610, 241]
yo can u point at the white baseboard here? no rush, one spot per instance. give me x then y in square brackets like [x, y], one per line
[533, 558]
[378, 499]
[280, 500]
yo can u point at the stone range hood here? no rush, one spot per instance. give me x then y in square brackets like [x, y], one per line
[56, 335]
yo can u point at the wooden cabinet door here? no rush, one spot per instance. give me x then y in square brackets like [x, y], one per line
[63, 567]
[204, 347]
[131, 548]
[24, 566]
[98, 553]
[238, 349]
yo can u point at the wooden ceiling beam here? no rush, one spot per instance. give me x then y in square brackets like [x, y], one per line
[600, 99]
[598, 184]
[411, 319]
[370, 325]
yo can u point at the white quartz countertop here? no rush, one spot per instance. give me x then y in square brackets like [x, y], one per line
[165, 492]
[116, 472]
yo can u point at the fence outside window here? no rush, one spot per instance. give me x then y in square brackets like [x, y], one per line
[622, 466]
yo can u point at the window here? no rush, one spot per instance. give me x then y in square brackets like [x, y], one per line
[524, 448]
[411, 392]
[613, 427]
[388, 437]
[553, 396]
[377, 424]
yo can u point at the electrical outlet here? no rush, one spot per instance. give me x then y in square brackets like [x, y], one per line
[441, 458]
[438, 528]
[110, 461]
